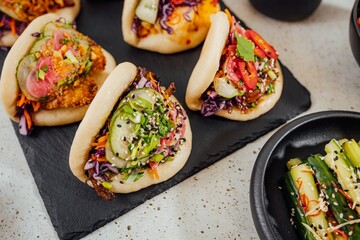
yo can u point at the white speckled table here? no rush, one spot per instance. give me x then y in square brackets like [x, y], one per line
[213, 204]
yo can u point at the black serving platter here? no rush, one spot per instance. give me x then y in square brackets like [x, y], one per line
[299, 138]
[74, 208]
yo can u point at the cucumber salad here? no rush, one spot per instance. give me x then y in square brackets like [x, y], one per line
[324, 194]
[146, 128]
[57, 71]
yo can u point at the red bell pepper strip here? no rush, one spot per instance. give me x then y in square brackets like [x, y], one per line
[262, 44]
[177, 2]
[248, 74]
[260, 53]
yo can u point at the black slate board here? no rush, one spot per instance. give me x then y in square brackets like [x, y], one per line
[74, 208]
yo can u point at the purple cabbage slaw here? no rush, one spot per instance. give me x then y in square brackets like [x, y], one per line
[166, 8]
[23, 127]
[212, 103]
[5, 26]
[100, 168]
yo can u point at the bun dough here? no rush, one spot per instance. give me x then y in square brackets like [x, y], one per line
[68, 13]
[99, 110]
[8, 39]
[184, 37]
[207, 66]
[9, 88]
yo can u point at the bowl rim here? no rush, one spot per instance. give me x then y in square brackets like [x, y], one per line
[261, 218]
[355, 16]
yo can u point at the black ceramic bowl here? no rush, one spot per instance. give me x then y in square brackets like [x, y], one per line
[286, 10]
[299, 138]
[354, 31]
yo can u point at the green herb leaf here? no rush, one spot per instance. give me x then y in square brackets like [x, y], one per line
[270, 89]
[245, 48]
[45, 68]
[40, 74]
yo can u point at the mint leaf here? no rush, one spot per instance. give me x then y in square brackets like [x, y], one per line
[245, 48]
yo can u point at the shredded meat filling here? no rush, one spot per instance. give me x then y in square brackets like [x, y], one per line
[103, 192]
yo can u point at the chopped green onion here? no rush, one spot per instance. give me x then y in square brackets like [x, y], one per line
[157, 157]
[106, 185]
[272, 75]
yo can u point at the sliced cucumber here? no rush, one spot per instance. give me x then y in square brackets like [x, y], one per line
[37, 47]
[112, 158]
[147, 10]
[121, 131]
[352, 151]
[225, 88]
[50, 27]
[125, 123]
[345, 171]
[26, 67]
[305, 183]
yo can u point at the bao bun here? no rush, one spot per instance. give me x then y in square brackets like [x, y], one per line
[69, 13]
[185, 36]
[207, 66]
[9, 88]
[100, 109]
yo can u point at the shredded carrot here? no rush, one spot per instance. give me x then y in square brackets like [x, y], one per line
[28, 119]
[155, 174]
[299, 182]
[152, 80]
[308, 171]
[21, 101]
[318, 211]
[345, 195]
[305, 201]
[341, 233]
[342, 192]
[35, 105]
[98, 145]
[13, 26]
[328, 236]
[228, 14]
[103, 138]
[100, 142]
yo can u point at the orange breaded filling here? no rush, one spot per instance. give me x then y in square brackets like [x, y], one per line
[28, 10]
[80, 93]
[76, 86]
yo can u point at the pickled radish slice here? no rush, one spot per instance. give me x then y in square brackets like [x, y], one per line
[37, 88]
